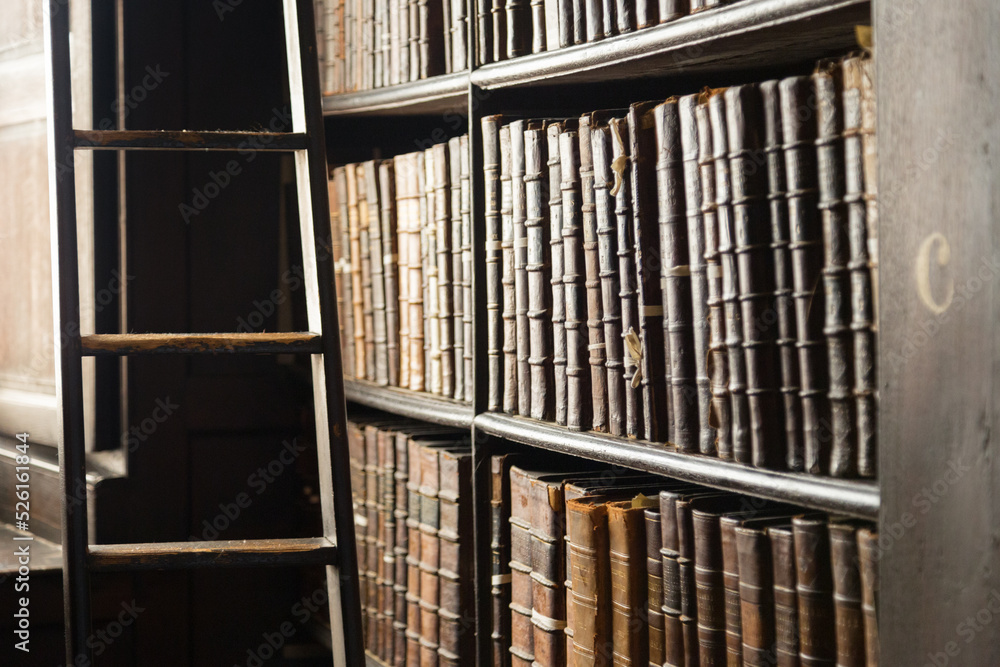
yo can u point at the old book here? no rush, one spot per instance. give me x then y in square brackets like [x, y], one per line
[578, 414]
[538, 32]
[379, 330]
[751, 216]
[522, 647]
[484, 32]
[390, 258]
[557, 297]
[345, 273]
[369, 44]
[494, 325]
[499, 32]
[548, 574]
[387, 566]
[814, 590]
[567, 20]
[587, 530]
[847, 602]
[357, 299]
[676, 276]
[519, 215]
[507, 280]
[428, 259]
[446, 25]
[457, 268]
[836, 274]
[717, 363]
[443, 238]
[686, 107]
[356, 449]
[756, 591]
[412, 597]
[597, 356]
[456, 571]
[859, 267]
[402, 168]
[459, 36]
[367, 301]
[625, 16]
[731, 589]
[431, 44]
[416, 281]
[654, 587]
[730, 279]
[799, 130]
[466, 214]
[594, 19]
[578, 20]
[551, 8]
[867, 445]
[403, 23]
[786, 604]
[378, 29]
[537, 270]
[670, 10]
[518, 16]
[784, 304]
[337, 252]
[627, 560]
[349, 41]
[673, 640]
[602, 245]
[868, 557]
[375, 546]
[500, 574]
[391, 75]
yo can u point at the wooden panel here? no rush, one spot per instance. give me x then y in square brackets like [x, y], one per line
[224, 553]
[228, 343]
[189, 140]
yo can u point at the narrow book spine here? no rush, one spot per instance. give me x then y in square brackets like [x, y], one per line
[413, 17]
[868, 557]
[625, 16]
[345, 275]
[457, 268]
[522, 645]
[403, 21]
[537, 26]
[551, 9]
[654, 588]
[378, 20]
[418, 213]
[627, 560]
[595, 20]
[673, 636]
[413, 556]
[866, 459]
[393, 34]
[548, 572]
[500, 558]
[508, 314]
[456, 637]
[671, 10]
[847, 603]
[446, 28]
[357, 299]
[786, 605]
[518, 28]
[387, 565]
[402, 168]
[390, 260]
[402, 548]
[595, 304]
[484, 32]
[577, 372]
[432, 54]
[814, 588]
[372, 537]
[428, 255]
[731, 590]
[567, 20]
[609, 13]
[756, 597]
[557, 298]
[587, 527]
[686, 576]
[537, 269]
[494, 325]
[647, 13]
[578, 17]
[519, 213]
[710, 589]
[443, 237]
[499, 32]
[337, 251]
[367, 303]
[430, 555]
[466, 212]
[368, 45]
[380, 331]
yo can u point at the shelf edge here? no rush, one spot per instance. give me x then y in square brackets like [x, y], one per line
[424, 96]
[406, 403]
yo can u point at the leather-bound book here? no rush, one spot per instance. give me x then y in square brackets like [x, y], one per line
[676, 276]
[415, 283]
[673, 638]
[500, 576]
[402, 168]
[836, 274]
[519, 210]
[548, 575]
[390, 256]
[401, 547]
[456, 571]
[337, 251]
[587, 530]
[859, 267]
[621, 188]
[686, 108]
[430, 553]
[538, 25]
[356, 448]
[387, 465]
[403, 27]
[595, 305]
[557, 296]
[671, 10]
[755, 261]
[847, 602]
[466, 213]
[805, 242]
[413, 555]
[443, 234]
[814, 589]
[390, 76]
[367, 304]
[594, 17]
[345, 274]
[868, 557]
[374, 548]
[431, 29]
[756, 591]
[728, 260]
[551, 10]
[717, 363]
[508, 301]
[786, 603]
[565, 23]
[499, 32]
[608, 285]
[379, 331]
[867, 446]
[484, 32]
[522, 647]
[627, 562]
[357, 298]
[649, 308]
[429, 258]
[731, 589]
[578, 411]
[494, 325]
[784, 304]
[647, 13]
[367, 45]
[380, 28]
[537, 270]
[457, 269]
[654, 587]
[697, 6]
[624, 16]
[349, 45]
[459, 36]
[578, 18]
[413, 16]
[518, 16]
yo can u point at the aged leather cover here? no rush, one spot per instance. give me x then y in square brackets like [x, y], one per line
[337, 252]
[430, 551]
[866, 459]
[522, 632]
[507, 280]
[402, 167]
[646, 235]
[499, 14]
[484, 31]
[367, 304]
[587, 529]
[557, 296]
[537, 270]
[868, 556]
[466, 213]
[756, 591]
[500, 556]
[567, 20]
[654, 586]
[442, 231]
[459, 36]
[494, 325]
[519, 210]
[805, 230]
[387, 530]
[731, 589]
[373, 538]
[413, 18]
[457, 269]
[457, 557]
[416, 272]
[671, 10]
[390, 258]
[548, 575]
[594, 19]
[551, 10]
[344, 275]
[429, 259]
[379, 331]
[847, 602]
[431, 28]
[357, 298]
[647, 13]
[412, 632]
[786, 604]
[403, 42]
[538, 26]
[595, 305]
[627, 561]
[814, 590]
[518, 28]
[625, 16]
[784, 304]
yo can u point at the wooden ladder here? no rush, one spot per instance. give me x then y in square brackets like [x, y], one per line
[336, 548]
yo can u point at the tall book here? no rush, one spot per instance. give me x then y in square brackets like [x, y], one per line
[367, 301]
[401, 170]
[456, 572]
[671, 10]
[484, 32]
[457, 268]
[537, 270]
[868, 557]
[494, 325]
[428, 258]
[431, 22]
[374, 549]
[608, 284]
[836, 274]
[459, 36]
[387, 528]
[500, 576]
[654, 586]
[345, 272]
[368, 45]
[394, 35]
[556, 259]
[548, 575]
[499, 31]
[443, 247]
[847, 602]
[805, 231]
[537, 26]
[646, 236]
[413, 555]
[627, 563]
[518, 16]
[466, 213]
[867, 446]
[691, 603]
[413, 38]
[595, 304]
[594, 18]
[390, 259]
[507, 280]
[378, 20]
[587, 530]
[522, 646]
[357, 299]
[786, 603]
[519, 215]
[403, 23]
[551, 8]
[337, 252]
[417, 285]
[814, 590]
[379, 330]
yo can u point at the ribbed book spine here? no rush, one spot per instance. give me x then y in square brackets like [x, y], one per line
[848, 619]
[814, 589]
[367, 293]
[756, 597]
[494, 325]
[548, 572]
[456, 574]
[432, 54]
[500, 557]
[484, 32]
[368, 45]
[390, 259]
[373, 548]
[786, 605]
[345, 272]
[466, 213]
[459, 36]
[413, 18]
[457, 268]
[654, 587]
[393, 34]
[537, 269]
[710, 590]
[378, 21]
[413, 556]
[537, 26]
[508, 303]
[428, 254]
[403, 21]
[870, 150]
[380, 332]
[401, 170]
[731, 590]
[499, 32]
[557, 296]
[686, 577]
[522, 645]
[577, 371]
[357, 299]
[627, 560]
[401, 549]
[387, 529]
[518, 13]
[337, 251]
[868, 557]
[416, 283]
[430, 554]
[587, 528]
[443, 237]
[595, 305]
[519, 210]
[673, 637]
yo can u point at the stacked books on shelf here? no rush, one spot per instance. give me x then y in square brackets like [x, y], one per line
[412, 486]
[699, 271]
[401, 238]
[365, 44]
[596, 567]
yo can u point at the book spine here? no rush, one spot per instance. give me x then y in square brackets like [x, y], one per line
[357, 298]
[380, 334]
[413, 17]
[522, 647]
[428, 261]
[754, 259]
[518, 28]
[459, 36]
[686, 577]
[671, 10]
[417, 282]
[595, 304]
[786, 604]
[609, 13]
[499, 13]
[710, 589]
[466, 213]
[391, 74]
[866, 459]
[432, 52]
[647, 13]
[519, 212]
[445, 35]
[587, 528]
[784, 304]
[538, 24]
[551, 8]
[442, 230]
[717, 361]
[508, 311]
[373, 548]
[548, 572]
[567, 20]
[608, 284]
[500, 559]
[484, 32]
[814, 589]
[457, 269]
[537, 269]
[868, 557]
[731, 590]
[799, 129]
[595, 20]
[627, 556]
[836, 274]
[859, 266]
[402, 169]
[654, 587]
[401, 548]
[337, 251]
[378, 27]
[578, 19]
[557, 299]
[577, 373]
[494, 325]
[387, 466]
[756, 597]
[350, 35]
[625, 16]
[430, 554]
[676, 276]
[456, 637]
[673, 636]
[403, 22]
[345, 272]
[646, 235]
[847, 603]
[390, 259]
[367, 292]
[413, 557]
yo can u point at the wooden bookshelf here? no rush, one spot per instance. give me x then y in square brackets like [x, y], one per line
[436, 95]
[405, 403]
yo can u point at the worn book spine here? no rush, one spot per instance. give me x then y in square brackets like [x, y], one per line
[432, 56]
[378, 28]
[717, 361]
[391, 75]
[345, 273]
[548, 572]
[610, 17]
[799, 129]
[417, 281]
[594, 20]
[673, 636]
[401, 548]
[442, 229]
[597, 356]
[446, 28]
[710, 590]
[847, 602]
[356, 450]
[387, 466]
[649, 309]
[413, 555]
[349, 45]
[494, 324]
[647, 13]
[538, 32]
[456, 572]
[430, 553]
[368, 307]
[468, 305]
[557, 296]
[686, 576]
[551, 8]
[508, 302]
[627, 560]
[754, 259]
[522, 647]
[654, 587]
[675, 274]
[337, 252]
[786, 604]
[500, 576]
[686, 108]
[457, 268]
[374, 548]
[499, 32]
[537, 270]
[814, 589]
[403, 23]
[379, 331]
[671, 10]
[587, 528]
[518, 14]
[578, 415]
[519, 211]
[413, 17]
[357, 298]
[859, 266]
[484, 32]
[868, 558]
[428, 263]
[404, 167]
[784, 304]
[731, 590]
[390, 258]
[624, 16]
[756, 597]
[867, 444]
[836, 274]
[608, 285]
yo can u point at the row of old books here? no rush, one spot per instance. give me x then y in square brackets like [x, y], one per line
[365, 44]
[512, 28]
[401, 238]
[412, 494]
[697, 271]
[594, 567]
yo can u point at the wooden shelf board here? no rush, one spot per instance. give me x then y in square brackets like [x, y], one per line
[746, 34]
[439, 94]
[851, 497]
[413, 404]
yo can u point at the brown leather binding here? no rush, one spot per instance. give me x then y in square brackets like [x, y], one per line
[814, 589]
[786, 605]
[847, 602]
[627, 560]
[868, 556]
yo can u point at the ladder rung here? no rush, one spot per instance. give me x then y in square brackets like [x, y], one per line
[185, 140]
[226, 553]
[96, 345]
